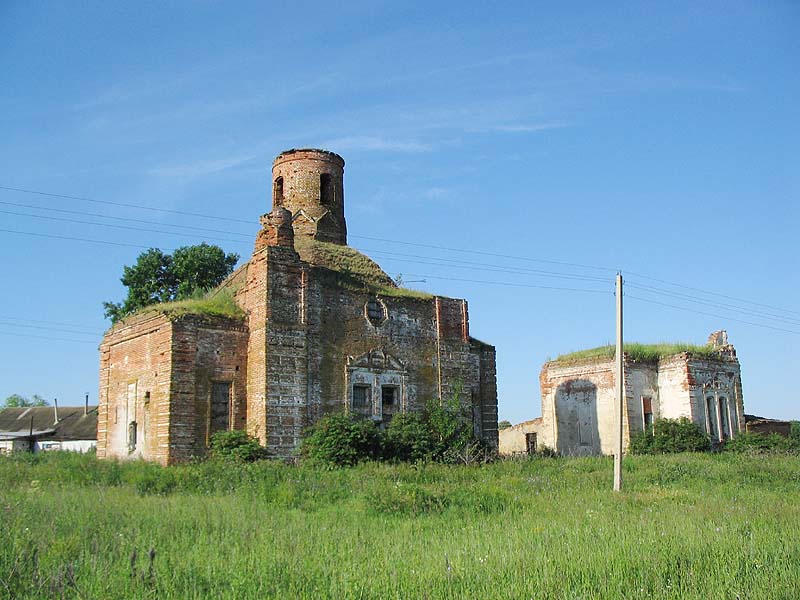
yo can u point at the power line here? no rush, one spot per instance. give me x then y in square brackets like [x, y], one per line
[523, 285]
[482, 253]
[385, 240]
[128, 227]
[9, 318]
[50, 328]
[139, 206]
[474, 265]
[75, 239]
[724, 306]
[700, 312]
[127, 219]
[44, 337]
[713, 293]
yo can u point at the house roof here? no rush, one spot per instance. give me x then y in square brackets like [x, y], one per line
[72, 423]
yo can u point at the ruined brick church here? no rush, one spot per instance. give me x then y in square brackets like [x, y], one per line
[316, 328]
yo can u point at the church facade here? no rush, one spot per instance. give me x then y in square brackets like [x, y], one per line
[578, 394]
[317, 328]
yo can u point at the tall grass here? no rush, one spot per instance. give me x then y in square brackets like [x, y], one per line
[640, 352]
[686, 526]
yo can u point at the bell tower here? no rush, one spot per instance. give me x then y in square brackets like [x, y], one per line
[309, 183]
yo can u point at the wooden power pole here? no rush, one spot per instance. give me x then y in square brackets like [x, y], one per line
[619, 413]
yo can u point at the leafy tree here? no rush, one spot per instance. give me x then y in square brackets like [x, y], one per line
[503, 425]
[160, 277]
[18, 401]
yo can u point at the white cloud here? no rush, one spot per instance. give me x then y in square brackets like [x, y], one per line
[201, 167]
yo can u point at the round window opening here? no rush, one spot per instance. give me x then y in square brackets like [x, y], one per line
[376, 311]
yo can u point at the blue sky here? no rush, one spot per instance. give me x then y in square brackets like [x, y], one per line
[658, 139]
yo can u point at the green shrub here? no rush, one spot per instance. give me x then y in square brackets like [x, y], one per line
[450, 424]
[237, 446]
[152, 480]
[408, 438]
[443, 432]
[761, 443]
[670, 435]
[342, 440]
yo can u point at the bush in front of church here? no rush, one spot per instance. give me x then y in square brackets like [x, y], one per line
[666, 436]
[342, 440]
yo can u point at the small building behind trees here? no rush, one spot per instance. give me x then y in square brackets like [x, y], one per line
[42, 428]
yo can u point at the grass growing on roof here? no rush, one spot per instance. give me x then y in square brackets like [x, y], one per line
[212, 304]
[220, 304]
[351, 268]
[639, 352]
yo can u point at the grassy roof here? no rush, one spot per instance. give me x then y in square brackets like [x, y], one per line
[638, 352]
[214, 304]
[351, 268]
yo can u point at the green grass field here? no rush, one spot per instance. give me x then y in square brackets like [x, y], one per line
[686, 526]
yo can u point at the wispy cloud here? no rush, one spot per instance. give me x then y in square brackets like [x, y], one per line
[380, 144]
[526, 127]
[201, 167]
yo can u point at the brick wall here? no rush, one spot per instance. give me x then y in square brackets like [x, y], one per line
[204, 350]
[135, 380]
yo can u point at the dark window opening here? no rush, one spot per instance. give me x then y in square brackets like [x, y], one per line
[647, 411]
[220, 406]
[376, 311]
[361, 398]
[389, 395]
[723, 411]
[277, 192]
[711, 424]
[131, 436]
[530, 443]
[325, 190]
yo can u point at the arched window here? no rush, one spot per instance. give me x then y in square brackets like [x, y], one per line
[711, 418]
[724, 425]
[325, 190]
[277, 192]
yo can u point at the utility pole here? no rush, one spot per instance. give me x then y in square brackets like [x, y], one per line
[620, 392]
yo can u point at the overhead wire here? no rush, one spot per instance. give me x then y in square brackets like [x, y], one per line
[47, 337]
[77, 239]
[50, 328]
[427, 260]
[700, 312]
[472, 264]
[126, 219]
[128, 227]
[711, 293]
[109, 202]
[509, 284]
[725, 306]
